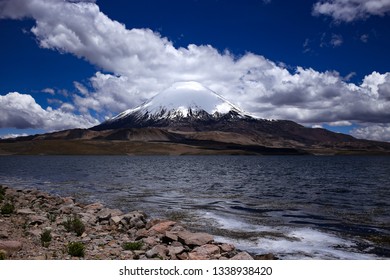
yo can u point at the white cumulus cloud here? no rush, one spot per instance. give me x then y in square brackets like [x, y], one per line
[379, 132]
[21, 111]
[351, 10]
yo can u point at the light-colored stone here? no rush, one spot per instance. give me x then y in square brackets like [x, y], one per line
[171, 235]
[195, 239]
[227, 247]
[67, 209]
[115, 220]
[25, 211]
[175, 250]
[162, 227]
[97, 206]
[204, 252]
[87, 218]
[242, 256]
[105, 214]
[68, 200]
[150, 240]
[157, 251]
[135, 219]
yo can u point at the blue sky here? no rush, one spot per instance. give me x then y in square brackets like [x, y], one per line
[69, 64]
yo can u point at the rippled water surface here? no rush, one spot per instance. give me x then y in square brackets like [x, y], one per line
[294, 206]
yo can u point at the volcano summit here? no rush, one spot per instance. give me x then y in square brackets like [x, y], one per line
[181, 104]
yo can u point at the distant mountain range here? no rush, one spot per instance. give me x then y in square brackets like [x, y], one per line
[188, 118]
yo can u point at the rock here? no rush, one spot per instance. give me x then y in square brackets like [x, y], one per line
[152, 222]
[97, 206]
[108, 238]
[10, 246]
[175, 249]
[204, 252]
[37, 220]
[87, 218]
[242, 256]
[142, 233]
[227, 247]
[3, 234]
[25, 211]
[268, 256]
[162, 227]
[136, 219]
[171, 236]
[35, 232]
[183, 256]
[115, 220]
[68, 200]
[195, 239]
[67, 209]
[150, 240]
[105, 214]
[157, 251]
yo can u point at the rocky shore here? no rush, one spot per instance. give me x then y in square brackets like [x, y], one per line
[37, 226]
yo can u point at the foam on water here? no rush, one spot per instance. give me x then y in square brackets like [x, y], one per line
[286, 242]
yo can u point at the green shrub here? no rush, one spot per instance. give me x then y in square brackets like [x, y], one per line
[52, 217]
[76, 249]
[46, 237]
[132, 245]
[74, 224]
[7, 208]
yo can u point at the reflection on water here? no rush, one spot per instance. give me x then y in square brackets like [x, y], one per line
[324, 207]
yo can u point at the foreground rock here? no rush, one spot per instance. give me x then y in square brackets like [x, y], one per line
[104, 233]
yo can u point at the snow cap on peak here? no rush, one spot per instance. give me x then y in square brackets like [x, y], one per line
[181, 98]
[190, 95]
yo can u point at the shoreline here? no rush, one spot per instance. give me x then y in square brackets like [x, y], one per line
[43, 227]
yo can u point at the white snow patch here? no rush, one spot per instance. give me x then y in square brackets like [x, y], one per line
[183, 97]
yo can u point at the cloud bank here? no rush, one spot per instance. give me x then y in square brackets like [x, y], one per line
[138, 63]
[21, 111]
[351, 10]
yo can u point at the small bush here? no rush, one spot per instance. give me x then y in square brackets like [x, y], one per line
[74, 224]
[7, 208]
[3, 255]
[46, 238]
[76, 249]
[2, 193]
[132, 245]
[52, 217]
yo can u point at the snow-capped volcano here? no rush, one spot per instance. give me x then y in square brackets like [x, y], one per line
[183, 99]
[181, 102]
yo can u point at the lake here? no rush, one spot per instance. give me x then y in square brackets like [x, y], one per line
[297, 207]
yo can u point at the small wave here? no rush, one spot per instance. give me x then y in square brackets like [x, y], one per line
[285, 242]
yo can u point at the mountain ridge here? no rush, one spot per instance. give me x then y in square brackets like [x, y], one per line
[188, 118]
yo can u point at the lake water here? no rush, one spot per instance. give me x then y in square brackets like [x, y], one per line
[296, 207]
